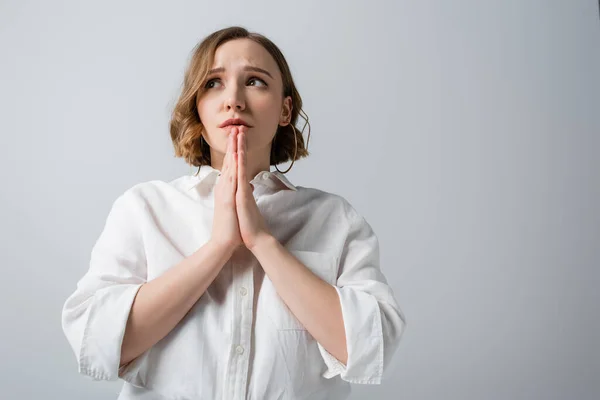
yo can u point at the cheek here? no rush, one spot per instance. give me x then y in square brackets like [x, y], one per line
[267, 119]
[204, 111]
[267, 104]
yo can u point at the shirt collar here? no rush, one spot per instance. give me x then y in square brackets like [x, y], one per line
[208, 174]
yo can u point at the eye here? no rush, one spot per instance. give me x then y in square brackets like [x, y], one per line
[209, 82]
[258, 79]
[254, 78]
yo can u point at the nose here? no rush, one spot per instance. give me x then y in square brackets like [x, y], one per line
[235, 100]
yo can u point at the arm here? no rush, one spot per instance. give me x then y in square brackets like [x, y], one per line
[313, 301]
[104, 328]
[358, 342]
[161, 303]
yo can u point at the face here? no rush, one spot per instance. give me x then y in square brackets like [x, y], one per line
[236, 91]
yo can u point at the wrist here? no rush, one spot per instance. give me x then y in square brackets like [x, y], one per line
[264, 240]
[223, 248]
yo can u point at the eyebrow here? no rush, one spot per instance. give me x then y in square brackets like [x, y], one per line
[246, 68]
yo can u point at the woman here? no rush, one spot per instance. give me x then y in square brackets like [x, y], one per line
[233, 283]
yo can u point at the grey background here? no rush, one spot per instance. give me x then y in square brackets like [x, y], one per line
[467, 133]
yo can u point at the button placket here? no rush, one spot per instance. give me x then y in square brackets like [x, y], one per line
[243, 289]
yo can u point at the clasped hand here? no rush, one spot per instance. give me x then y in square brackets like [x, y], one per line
[237, 219]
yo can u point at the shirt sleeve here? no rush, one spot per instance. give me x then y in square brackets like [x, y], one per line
[95, 315]
[373, 320]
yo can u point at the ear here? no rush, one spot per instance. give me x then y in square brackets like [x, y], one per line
[286, 111]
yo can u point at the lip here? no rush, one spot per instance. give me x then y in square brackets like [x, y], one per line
[234, 121]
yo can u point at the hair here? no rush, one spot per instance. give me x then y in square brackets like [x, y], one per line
[186, 128]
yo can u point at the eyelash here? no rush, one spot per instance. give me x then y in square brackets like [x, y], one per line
[251, 78]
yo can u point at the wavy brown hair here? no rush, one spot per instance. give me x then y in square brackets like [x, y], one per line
[186, 128]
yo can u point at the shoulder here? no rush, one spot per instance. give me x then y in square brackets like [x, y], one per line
[159, 186]
[145, 192]
[331, 200]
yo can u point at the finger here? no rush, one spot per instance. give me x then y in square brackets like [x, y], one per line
[227, 158]
[236, 133]
[234, 158]
[224, 166]
[232, 151]
[241, 160]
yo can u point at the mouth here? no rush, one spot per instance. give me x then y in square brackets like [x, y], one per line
[232, 122]
[229, 127]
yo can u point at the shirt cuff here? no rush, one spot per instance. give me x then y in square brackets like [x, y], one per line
[364, 339]
[100, 353]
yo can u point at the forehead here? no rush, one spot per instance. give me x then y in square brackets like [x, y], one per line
[238, 53]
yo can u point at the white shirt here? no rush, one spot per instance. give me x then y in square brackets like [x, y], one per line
[239, 341]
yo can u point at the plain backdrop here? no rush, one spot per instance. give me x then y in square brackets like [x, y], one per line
[467, 132]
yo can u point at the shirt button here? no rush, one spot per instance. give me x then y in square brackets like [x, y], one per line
[266, 175]
[239, 349]
[243, 291]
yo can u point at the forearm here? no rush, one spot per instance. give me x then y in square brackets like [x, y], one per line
[161, 303]
[314, 302]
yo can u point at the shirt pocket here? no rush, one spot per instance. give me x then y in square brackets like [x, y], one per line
[324, 265]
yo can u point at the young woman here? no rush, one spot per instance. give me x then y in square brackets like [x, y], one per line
[234, 283]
